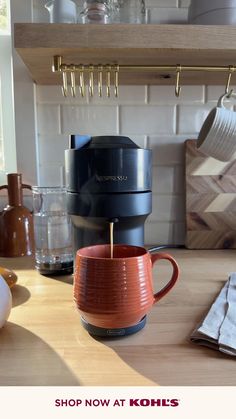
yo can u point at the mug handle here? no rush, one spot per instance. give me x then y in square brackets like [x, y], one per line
[220, 103]
[25, 186]
[175, 274]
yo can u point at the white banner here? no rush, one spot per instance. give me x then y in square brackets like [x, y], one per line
[117, 402]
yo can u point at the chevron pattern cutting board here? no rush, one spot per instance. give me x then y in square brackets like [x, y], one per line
[210, 201]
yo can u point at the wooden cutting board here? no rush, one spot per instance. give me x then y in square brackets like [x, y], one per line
[210, 201]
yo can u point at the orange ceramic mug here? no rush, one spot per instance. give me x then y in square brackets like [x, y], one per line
[117, 292]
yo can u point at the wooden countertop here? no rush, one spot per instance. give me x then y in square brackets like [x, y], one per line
[43, 343]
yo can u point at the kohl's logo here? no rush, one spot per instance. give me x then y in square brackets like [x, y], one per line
[154, 402]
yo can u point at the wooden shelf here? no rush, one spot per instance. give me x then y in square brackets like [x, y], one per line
[37, 43]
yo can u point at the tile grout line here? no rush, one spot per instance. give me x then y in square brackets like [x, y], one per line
[147, 95]
[118, 120]
[176, 119]
[60, 120]
[205, 94]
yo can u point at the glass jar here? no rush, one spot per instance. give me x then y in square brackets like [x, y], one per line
[129, 11]
[62, 11]
[95, 11]
[52, 230]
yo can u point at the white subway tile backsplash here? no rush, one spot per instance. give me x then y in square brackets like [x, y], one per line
[166, 95]
[127, 95]
[53, 94]
[167, 150]
[184, 3]
[214, 92]
[179, 179]
[167, 208]
[147, 119]
[159, 233]
[191, 118]
[48, 119]
[179, 233]
[163, 179]
[89, 119]
[140, 140]
[169, 15]
[161, 3]
[49, 175]
[51, 149]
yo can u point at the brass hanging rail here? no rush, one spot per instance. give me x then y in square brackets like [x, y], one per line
[113, 71]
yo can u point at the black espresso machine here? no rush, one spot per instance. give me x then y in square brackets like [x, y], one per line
[108, 179]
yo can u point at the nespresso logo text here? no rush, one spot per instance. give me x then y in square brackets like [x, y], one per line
[111, 178]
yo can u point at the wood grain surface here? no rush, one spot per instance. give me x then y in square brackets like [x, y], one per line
[154, 44]
[43, 343]
[210, 201]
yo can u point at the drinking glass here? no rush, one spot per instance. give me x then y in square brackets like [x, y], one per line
[62, 11]
[52, 229]
[130, 11]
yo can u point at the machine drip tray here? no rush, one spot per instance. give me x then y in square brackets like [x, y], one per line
[101, 332]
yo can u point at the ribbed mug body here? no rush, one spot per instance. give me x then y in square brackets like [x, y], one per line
[113, 292]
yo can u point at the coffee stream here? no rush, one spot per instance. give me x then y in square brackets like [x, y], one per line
[111, 238]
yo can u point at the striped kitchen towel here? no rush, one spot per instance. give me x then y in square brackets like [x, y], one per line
[218, 329]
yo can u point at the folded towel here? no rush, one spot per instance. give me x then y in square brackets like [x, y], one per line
[218, 329]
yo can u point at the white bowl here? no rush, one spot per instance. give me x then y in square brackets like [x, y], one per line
[198, 7]
[216, 17]
[5, 301]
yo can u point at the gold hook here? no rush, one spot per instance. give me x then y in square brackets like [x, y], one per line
[64, 84]
[73, 83]
[57, 62]
[81, 81]
[116, 81]
[91, 80]
[100, 70]
[177, 85]
[227, 86]
[108, 80]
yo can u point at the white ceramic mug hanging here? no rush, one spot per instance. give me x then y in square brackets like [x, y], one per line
[217, 137]
[5, 301]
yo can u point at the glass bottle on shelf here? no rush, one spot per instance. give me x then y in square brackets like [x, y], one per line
[96, 11]
[129, 11]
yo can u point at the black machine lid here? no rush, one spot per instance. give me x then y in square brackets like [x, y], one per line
[105, 141]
